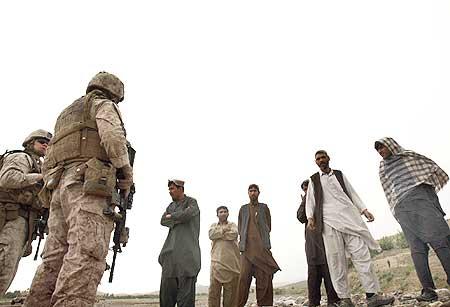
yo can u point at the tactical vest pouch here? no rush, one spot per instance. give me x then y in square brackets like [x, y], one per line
[6, 197]
[52, 177]
[12, 212]
[45, 197]
[99, 178]
[23, 197]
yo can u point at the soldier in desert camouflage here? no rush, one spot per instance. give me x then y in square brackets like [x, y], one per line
[20, 175]
[88, 148]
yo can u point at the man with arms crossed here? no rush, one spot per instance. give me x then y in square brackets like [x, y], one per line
[224, 261]
[180, 255]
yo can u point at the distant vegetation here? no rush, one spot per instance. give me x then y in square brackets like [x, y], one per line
[397, 241]
[111, 296]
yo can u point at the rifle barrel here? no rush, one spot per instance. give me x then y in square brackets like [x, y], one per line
[113, 265]
[37, 249]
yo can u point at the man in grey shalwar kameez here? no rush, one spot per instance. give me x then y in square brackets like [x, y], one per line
[334, 208]
[410, 182]
[180, 255]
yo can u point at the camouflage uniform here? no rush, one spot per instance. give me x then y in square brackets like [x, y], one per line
[19, 177]
[77, 244]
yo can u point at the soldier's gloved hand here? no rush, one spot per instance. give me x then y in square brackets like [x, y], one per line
[125, 183]
[35, 178]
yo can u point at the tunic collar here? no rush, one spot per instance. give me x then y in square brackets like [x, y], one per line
[331, 173]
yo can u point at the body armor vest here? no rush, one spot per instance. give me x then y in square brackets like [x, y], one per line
[76, 136]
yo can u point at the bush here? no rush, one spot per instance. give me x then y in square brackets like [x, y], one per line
[386, 243]
[400, 240]
[395, 241]
[278, 291]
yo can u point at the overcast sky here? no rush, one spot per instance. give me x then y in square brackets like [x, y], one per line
[222, 94]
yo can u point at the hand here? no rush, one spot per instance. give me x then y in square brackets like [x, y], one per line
[125, 183]
[37, 178]
[369, 216]
[311, 224]
[227, 228]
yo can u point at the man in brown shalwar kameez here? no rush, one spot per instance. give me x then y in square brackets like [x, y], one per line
[256, 259]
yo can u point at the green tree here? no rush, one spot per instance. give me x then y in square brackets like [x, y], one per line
[386, 243]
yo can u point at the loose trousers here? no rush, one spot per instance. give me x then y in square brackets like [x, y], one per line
[73, 260]
[336, 245]
[230, 290]
[315, 275]
[177, 290]
[422, 220]
[264, 287]
[12, 241]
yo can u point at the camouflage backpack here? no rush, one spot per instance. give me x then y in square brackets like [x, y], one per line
[7, 153]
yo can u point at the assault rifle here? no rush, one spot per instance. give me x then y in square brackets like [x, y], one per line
[121, 232]
[40, 229]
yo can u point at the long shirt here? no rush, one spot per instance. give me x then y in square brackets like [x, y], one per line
[255, 251]
[225, 264]
[180, 255]
[340, 211]
[314, 248]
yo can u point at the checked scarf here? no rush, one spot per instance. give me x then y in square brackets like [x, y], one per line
[406, 169]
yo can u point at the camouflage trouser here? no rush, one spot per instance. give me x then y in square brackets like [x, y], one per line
[73, 260]
[12, 241]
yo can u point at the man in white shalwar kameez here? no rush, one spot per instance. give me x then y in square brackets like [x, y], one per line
[334, 207]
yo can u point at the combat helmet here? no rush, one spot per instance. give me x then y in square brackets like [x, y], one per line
[109, 83]
[37, 134]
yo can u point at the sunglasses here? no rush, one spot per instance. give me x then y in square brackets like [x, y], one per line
[42, 141]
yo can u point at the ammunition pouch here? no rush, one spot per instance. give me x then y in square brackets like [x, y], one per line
[51, 181]
[26, 197]
[52, 177]
[8, 212]
[12, 211]
[45, 197]
[99, 178]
